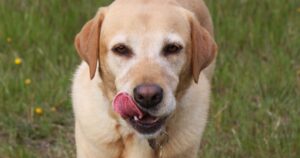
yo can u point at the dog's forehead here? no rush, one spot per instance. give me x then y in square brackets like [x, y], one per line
[139, 19]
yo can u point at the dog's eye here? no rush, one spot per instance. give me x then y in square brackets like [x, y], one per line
[172, 48]
[122, 50]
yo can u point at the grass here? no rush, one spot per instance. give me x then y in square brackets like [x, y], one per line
[256, 90]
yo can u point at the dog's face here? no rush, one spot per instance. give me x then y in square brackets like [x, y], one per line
[148, 52]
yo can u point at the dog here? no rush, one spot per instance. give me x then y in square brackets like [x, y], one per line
[143, 87]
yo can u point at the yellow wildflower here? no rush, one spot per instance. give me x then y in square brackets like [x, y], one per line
[53, 109]
[38, 111]
[27, 81]
[8, 40]
[298, 10]
[18, 61]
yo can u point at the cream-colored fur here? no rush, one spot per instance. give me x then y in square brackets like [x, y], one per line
[101, 133]
[95, 128]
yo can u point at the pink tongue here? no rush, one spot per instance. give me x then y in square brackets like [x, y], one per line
[125, 106]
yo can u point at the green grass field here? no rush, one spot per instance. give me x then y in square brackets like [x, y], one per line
[255, 111]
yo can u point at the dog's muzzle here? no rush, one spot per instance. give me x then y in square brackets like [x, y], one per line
[134, 111]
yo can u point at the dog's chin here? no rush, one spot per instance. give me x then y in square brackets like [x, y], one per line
[152, 135]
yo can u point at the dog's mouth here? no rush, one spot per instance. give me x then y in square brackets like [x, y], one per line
[147, 124]
[140, 120]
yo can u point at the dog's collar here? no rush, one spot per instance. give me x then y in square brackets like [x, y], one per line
[158, 143]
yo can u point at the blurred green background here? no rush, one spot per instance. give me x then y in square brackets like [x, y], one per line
[255, 109]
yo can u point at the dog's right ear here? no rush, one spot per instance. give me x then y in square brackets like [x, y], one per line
[88, 39]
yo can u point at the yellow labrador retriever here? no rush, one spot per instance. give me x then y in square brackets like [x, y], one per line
[142, 90]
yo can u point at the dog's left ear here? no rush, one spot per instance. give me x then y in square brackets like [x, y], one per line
[88, 39]
[204, 48]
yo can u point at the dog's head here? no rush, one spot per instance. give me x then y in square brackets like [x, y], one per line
[148, 54]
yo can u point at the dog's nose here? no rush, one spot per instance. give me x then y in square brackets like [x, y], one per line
[148, 95]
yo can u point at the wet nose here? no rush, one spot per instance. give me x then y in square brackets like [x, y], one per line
[148, 95]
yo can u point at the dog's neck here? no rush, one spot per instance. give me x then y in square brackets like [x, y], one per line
[158, 143]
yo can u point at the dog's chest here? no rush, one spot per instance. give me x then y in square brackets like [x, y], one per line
[129, 145]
